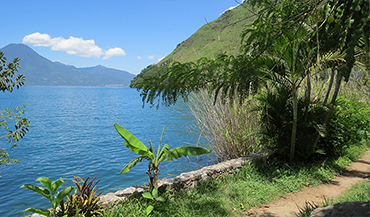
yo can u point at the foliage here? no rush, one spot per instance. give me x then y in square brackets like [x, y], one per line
[353, 17]
[49, 193]
[7, 72]
[14, 115]
[164, 154]
[154, 197]
[150, 71]
[84, 201]
[276, 123]
[350, 124]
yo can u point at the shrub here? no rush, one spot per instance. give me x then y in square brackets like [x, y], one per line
[84, 201]
[230, 128]
[349, 124]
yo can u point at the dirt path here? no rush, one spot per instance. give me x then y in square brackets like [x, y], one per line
[288, 204]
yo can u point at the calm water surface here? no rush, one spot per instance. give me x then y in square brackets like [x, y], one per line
[72, 134]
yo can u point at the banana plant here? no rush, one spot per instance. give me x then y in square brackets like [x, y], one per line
[49, 194]
[164, 154]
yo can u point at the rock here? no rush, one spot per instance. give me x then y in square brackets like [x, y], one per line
[126, 192]
[110, 198]
[344, 209]
[36, 215]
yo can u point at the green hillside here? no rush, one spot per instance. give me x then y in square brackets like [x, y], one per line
[219, 36]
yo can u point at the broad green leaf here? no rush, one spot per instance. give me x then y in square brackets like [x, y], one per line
[45, 181]
[131, 142]
[158, 151]
[55, 185]
[176, 153]
[39, 211]
[151, 149]
[149, 209]
[155, 192]
[133, 163]
[159, 146]
[164, 150]
[43, 191]
[147, 195]
[161, 199]
[63, 193]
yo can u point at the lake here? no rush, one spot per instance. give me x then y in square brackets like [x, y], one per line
[72, 134]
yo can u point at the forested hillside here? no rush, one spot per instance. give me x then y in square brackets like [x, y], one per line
[216, 37]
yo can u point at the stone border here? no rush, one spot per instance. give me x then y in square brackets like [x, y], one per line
[185, 180]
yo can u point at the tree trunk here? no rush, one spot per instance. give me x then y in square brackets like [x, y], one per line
[331, 106]
[294, 128]
[151, 178]
[336, 90]
[330, 85]
[308, 87]
[155, 178]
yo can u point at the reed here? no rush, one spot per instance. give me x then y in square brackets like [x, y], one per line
[230, 128]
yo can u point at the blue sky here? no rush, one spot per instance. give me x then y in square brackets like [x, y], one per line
[122, 34]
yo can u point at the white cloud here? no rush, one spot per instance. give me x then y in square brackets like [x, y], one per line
[151, 57]
[139, 57]
[229, 9]
[41, 40]
[79, 47]
[160, 59]
[114, 52]
[72, 45]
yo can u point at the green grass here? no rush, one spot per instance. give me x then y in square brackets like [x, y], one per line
[359, 192]
[253, 185]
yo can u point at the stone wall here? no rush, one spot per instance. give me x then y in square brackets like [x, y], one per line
[185, 180]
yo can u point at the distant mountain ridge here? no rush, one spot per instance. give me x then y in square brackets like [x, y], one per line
[40, 71]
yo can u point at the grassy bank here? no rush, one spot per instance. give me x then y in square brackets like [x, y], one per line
[251, 186]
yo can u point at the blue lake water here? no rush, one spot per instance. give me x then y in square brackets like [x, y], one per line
[72, 134]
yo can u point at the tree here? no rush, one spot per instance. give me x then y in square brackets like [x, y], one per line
[11, 115]
[289, 40]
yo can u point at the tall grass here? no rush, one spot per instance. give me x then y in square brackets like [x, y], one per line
[231, 129]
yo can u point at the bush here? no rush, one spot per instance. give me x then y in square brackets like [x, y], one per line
[276, 123]
[84, 201]
[349, 124]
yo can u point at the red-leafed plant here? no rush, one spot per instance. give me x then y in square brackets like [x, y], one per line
[84, 201]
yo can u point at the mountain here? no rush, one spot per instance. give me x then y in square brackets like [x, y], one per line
[219, 36]
[40, 71]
